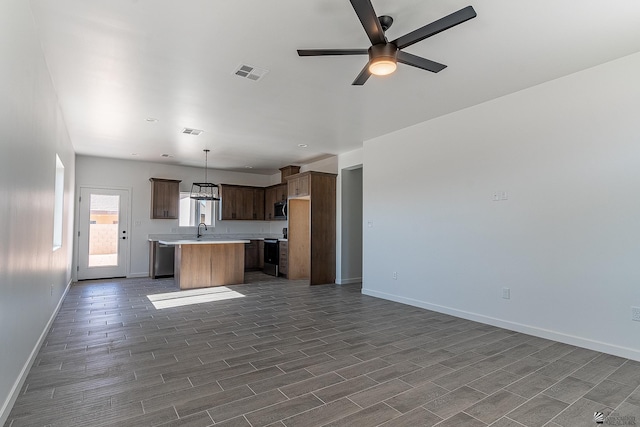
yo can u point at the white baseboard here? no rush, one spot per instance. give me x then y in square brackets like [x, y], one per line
[17, 386]
[626, 352]
[349, 281]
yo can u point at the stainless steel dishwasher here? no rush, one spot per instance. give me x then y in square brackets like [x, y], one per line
[271, 257]
[162, 260]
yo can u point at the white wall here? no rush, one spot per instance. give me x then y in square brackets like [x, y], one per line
[328, 165]
[134, 175]
[566, 242]
[33, 277]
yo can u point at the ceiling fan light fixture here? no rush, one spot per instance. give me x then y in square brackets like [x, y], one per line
[383, 59]
[384, 54]
[382, 67]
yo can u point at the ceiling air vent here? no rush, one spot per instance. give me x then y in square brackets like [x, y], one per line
[249, 72]
[189, 131]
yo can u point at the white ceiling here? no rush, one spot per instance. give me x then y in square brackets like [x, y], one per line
[115, 63]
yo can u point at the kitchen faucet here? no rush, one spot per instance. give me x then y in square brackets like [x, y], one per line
[198, 234]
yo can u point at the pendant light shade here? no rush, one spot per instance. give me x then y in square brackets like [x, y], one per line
[204, 190]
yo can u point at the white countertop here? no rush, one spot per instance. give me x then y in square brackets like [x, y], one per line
[212, 236]
[200, 242]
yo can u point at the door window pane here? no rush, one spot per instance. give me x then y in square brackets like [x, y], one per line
[103, 230]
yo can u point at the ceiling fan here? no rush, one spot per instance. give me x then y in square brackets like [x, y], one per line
[383, 54]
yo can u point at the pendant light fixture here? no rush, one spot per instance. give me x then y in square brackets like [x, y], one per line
[204, 190]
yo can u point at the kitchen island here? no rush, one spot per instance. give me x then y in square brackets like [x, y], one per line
[205, 263]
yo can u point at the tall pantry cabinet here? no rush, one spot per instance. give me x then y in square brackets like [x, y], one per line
[312, 227]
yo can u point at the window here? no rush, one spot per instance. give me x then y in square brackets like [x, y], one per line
[58, 207]
[193, 212]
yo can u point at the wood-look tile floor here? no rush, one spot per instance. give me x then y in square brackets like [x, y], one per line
[287, 354]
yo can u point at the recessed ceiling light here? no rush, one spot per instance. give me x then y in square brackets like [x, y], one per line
[151, 119]
[303, 145]
[134, 154]
[248, 167]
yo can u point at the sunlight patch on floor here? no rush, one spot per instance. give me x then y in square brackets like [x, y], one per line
[192, 296]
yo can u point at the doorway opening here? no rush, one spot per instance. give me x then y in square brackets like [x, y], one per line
[351, 234]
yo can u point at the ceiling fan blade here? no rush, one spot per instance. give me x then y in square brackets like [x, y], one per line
[322, 52]
[363, 76]
[419, 62]
[435, 27]
[370, 22]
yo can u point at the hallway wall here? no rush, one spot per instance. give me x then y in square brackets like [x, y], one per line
[33, 274]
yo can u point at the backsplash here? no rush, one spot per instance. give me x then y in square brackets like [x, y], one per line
[228, 230]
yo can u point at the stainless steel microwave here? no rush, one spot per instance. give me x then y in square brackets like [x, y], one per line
[280, 210]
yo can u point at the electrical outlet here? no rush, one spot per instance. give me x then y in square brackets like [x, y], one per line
[395, 275]
[506, 293]
[52, 289]
[635, 314]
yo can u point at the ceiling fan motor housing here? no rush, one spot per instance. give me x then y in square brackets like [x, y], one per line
[386, 51]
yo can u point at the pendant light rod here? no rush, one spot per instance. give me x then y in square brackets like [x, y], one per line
[206, 158]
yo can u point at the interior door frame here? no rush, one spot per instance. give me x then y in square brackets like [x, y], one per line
[76, 237]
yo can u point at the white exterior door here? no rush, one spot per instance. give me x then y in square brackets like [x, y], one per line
[103, 240]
